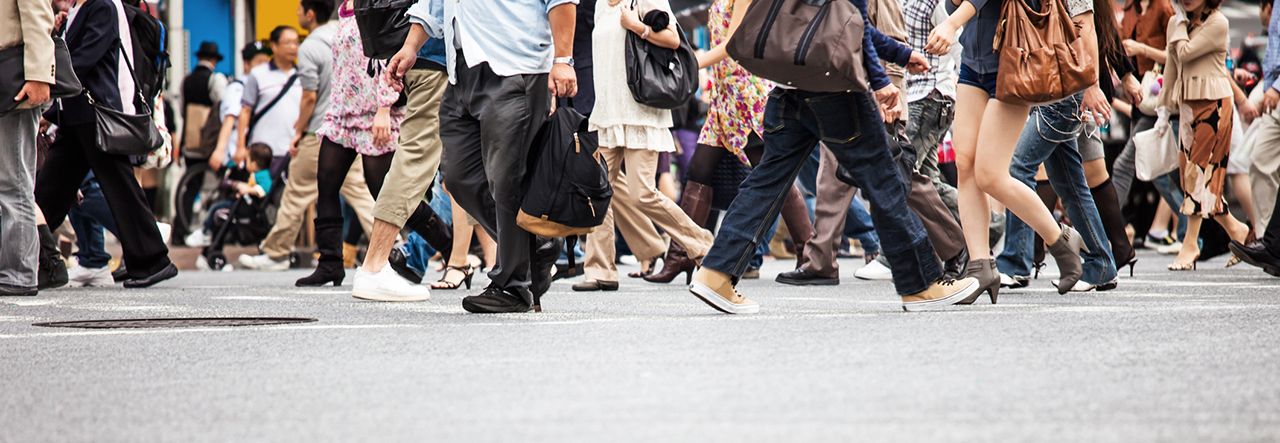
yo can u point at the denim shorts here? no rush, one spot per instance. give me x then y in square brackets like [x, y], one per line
[986, 82]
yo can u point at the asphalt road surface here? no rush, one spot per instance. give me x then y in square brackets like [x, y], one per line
[1166, 357]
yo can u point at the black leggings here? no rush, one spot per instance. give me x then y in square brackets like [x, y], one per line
[702, 168]
[335, 160]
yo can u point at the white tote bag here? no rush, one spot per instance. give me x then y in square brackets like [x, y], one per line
[1156, 149]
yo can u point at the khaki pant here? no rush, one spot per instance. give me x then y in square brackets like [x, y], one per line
[418, 157]
[300, 193]
[834, 197]
[1264, 168]
[638, 206]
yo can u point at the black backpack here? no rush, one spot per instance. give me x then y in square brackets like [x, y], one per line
[567, 190]
[150, 59]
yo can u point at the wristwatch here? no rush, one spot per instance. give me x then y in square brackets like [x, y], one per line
[563, 60]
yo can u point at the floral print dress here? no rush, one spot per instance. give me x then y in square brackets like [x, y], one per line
[356, 96]
[737, 97]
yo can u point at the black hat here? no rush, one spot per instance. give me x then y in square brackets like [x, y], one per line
[208, 50]
[254, 48]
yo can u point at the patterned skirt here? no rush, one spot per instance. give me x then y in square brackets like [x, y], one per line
[1205, 137]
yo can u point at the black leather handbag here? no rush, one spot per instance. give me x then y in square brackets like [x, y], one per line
[12, 76]
[660, 77]
[120, 133]
[383, 24]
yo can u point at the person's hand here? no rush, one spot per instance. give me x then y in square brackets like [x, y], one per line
[631, 20]
[918, 64]
[398, 66]
[58, 20]
[563, 81]
[1248, 111]
[33, 94]
[240, 156]
[215, 160]
[1243, 76]
[382, 127]
[1133, 47]
[941, 38]
[1133, 88]
[892, 114]
[293, 145]
[887, 96]
[1271, 100]
[1095, 103]
[44, 126]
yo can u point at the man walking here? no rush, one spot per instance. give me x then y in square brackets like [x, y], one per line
[315, 67]
[506, 58]
[271, 102]
[27, 23]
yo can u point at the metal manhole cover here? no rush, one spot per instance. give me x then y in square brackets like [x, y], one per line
[140, 323]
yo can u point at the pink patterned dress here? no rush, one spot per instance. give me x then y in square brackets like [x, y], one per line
[356, 96]
[737, 97]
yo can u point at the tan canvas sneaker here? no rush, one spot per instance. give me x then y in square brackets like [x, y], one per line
[941, 293]
[716, 289]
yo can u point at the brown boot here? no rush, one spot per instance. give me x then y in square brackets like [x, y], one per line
[696, 203]
[716, 289]
[941, 293]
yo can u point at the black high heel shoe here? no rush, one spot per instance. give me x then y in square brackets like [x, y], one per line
[444, 283]
[1132, 262]
[1037, 267]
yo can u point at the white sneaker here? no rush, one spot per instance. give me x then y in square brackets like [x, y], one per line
[79, 276]
[262, 262]
[166, 231]
[196, 240]
[1014, 282]
[1172, 249]
[874, 271]
[1083, 286]
[386, 285]
[202, 264]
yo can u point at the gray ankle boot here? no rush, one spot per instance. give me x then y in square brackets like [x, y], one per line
[1066, 251]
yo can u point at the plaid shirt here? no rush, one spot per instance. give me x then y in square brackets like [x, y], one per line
[1271, 64]
[921, 17]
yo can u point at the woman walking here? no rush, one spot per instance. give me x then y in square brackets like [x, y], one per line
[733, 126]
[1198, 86]
[362, 120]
[982, 120]
[635, 135]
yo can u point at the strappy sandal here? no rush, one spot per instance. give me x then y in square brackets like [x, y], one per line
[1235, 259]
[445, 284]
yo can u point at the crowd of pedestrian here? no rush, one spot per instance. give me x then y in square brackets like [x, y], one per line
[944, 164]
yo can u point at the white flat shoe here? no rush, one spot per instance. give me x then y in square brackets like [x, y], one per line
[387, 286]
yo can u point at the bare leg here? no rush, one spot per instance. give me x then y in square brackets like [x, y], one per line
[1242, 189]
[975, 214]
[489, 246]
[998, 139]
[1190, 244]
[1162, 219]
[381, 240]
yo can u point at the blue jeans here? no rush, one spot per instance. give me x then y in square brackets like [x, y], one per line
[857, 222]
[88, 219]
[1049, 137]
[849, 123]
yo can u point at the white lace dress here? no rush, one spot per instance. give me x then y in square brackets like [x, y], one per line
[620, 121]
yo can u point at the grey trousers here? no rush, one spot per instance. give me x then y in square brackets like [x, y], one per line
[928, 121]
[19, 243]
[487, 123]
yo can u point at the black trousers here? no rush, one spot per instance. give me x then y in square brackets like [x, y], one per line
[70, 159]
[487, 123]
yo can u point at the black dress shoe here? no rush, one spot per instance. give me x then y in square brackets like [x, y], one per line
[10, 290]
[400, 264]
[495, 300]
[145, 282]
[805, 277]
[121, 274]
[1256, 254]
[595, 285]
[564, 271]
[543, 258]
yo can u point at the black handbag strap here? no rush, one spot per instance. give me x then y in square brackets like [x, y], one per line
[137, 87]
[257, 115]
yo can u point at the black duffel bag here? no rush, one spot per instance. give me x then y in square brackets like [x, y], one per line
[660, 77]
[383, 24]
[567, 190]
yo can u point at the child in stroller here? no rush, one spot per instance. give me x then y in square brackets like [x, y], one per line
[240, 215]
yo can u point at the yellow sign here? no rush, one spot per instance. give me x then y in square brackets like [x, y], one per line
[272, 13]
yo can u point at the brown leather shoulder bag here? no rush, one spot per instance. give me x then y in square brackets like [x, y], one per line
[814, 45]
[1042, 55]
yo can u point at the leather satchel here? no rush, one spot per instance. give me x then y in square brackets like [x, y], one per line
[384, 25]
[814, 45]
[13, 78]
[1042, 55]
[120, 133]
[659, 77]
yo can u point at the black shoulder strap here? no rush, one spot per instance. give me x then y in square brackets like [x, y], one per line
[257, 115]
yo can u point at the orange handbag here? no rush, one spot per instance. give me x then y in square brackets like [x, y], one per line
[1042, 55]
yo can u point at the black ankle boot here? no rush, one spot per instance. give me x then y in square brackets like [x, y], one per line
[329, 244]
[53, 270]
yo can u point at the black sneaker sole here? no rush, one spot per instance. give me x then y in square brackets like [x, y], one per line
[808, 282]
[473, 307]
